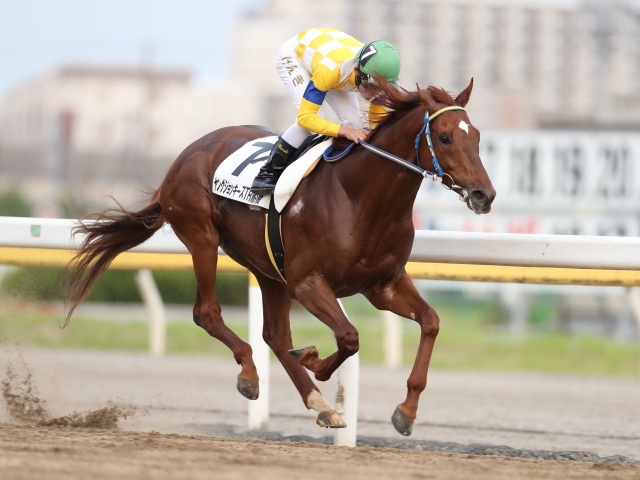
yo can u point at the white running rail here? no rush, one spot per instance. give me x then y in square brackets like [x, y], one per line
[524, 250]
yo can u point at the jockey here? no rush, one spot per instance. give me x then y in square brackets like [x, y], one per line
[324, 64]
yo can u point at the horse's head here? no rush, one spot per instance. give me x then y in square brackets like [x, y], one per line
[456, 143]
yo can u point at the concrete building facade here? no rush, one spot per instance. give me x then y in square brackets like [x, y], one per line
[94, 132]
[561, 64]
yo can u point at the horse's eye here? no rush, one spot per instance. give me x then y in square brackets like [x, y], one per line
[444, 138]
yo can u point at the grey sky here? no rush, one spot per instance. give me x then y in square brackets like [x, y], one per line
[38, 35]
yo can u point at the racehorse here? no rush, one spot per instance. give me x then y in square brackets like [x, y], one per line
[347, 229]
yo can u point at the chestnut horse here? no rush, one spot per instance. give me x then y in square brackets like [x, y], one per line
[347, 229]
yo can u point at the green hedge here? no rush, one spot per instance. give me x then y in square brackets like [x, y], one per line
[38, 283]
[14, 204]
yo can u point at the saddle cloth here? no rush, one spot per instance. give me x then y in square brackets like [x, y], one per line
[235, 174]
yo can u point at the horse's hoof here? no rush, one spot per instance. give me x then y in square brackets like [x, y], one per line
[330, 419]
[402, 423]
[300, 353]
[248, 388]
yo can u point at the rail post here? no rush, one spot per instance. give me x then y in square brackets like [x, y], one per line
[515, 302]
[157, 317]
[259, 408]
[392, 331]
[347, 399]
[633, 297]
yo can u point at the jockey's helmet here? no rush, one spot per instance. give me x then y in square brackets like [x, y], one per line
[379, 58]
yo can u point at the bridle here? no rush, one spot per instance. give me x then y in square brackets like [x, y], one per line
[437, 176]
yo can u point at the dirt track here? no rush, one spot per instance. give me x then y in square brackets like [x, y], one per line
[188, 397]
[52, 453]
[197, 395]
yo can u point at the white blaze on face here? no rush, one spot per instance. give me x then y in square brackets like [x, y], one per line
[464, 126]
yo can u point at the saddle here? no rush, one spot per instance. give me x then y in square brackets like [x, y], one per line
[233, 178]
[309, 142]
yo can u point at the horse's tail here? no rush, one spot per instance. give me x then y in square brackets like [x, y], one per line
[113, 232]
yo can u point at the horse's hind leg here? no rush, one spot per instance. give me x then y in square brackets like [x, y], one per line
[206, 312]
[277, 334]
[188, 205]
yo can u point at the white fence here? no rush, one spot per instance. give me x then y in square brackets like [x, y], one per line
[616, 258]
[558, 251]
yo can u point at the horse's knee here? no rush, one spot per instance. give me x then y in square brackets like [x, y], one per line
[275, 335]
[430, 323]
[207, 317]
[349, 341]
[198, 318]
[271, 339]
[243, 353]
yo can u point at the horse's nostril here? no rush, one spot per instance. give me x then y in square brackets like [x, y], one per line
[478, 197]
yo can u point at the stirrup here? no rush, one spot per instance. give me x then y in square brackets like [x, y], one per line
[264, 183]
[260, 188]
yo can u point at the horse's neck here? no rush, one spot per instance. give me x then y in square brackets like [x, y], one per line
[382, 187]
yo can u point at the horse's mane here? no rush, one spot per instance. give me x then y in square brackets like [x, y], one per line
[400, 102]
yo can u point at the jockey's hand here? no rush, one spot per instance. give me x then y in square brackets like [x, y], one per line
[353, 134]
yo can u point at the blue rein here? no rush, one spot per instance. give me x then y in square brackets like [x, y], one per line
[439, 173]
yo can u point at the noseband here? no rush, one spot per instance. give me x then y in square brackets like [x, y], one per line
[437, 176]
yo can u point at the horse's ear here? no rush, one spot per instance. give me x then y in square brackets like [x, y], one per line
[427, 100]
[463, 98]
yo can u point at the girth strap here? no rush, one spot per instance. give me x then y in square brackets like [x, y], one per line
[273, 238]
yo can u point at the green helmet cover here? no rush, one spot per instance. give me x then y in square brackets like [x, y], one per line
[379, 58]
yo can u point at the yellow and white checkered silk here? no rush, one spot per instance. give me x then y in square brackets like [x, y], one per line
[329, 56]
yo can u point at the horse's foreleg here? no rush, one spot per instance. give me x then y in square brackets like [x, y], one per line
[316, 296]
[277, 334]
[401, 297]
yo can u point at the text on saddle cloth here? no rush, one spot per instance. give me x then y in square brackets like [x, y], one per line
[235, 174]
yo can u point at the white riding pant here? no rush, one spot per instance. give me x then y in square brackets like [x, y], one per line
[296, 78]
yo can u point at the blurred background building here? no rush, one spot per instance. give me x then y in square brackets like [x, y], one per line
[537, 65]
[556, 96]
[83, 131]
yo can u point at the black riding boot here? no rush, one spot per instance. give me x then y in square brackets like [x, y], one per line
[279, 158]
